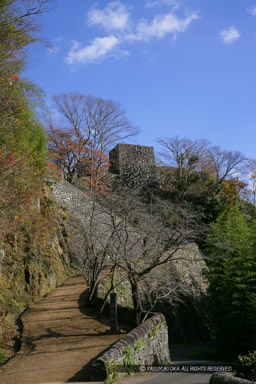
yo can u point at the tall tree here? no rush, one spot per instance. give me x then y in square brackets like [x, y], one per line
[251, 169]
[224, 164]
[22, 136]
[76, 157]
[205, 176]
[93, 124]
[184, 156]
[233, 282]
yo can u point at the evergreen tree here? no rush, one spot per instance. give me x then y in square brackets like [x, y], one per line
[22, 136]
[232, 287]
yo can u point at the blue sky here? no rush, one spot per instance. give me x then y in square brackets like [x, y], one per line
[178, 67]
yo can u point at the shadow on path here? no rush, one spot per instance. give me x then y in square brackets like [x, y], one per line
[61, 337]
[84, 374]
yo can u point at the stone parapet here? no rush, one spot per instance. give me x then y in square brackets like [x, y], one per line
[145, 345]
[225, 378]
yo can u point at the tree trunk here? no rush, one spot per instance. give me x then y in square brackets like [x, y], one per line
[136, 301]
[92, 292]
[112, 287]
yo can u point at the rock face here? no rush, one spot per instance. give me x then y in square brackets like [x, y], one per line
[33, 260]
[2, 254]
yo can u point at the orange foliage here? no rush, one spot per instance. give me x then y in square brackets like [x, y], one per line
[53, 167]
[96, 169]
[232, 189]
[205, 165]
[75, 154]
[14, 77]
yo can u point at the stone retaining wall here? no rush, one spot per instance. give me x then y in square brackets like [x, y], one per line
[225, 378]
[147, 345]
[135, 164]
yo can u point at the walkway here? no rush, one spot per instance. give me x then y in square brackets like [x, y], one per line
[60, 338]
[180, 356]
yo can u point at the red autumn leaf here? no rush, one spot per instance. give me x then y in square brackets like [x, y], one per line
[14, 77]
[53, 167]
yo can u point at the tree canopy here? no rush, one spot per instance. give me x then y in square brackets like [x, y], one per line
[89, 128]
[22, 136]
[232, 262]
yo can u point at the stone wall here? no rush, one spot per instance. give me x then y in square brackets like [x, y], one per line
[187, 311]
[135, 164]
[81, 209]
[225, 378]
[145, 345]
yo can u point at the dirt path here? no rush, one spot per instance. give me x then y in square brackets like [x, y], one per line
[60, 338]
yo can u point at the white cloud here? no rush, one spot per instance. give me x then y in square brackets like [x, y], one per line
[252, 11]
[115, 16]
[230, 35]
[100, 48]
[158, 3]
[52, 50]
[55, 45]
[161, 26]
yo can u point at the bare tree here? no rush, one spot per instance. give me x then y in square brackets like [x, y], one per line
[185, 156]
[99, 236]
[191, 161]
[113, 283]
[251, 174]
[141, 238]
[99, 121]
[224, 164]
[90, 126]
[18, 29]
[163, 283]
[183, 153]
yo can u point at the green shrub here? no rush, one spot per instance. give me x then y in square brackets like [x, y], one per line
[128, 358]
[153, 332]
[140, 344]
[113, 372]
[246, 366]
[2, 357]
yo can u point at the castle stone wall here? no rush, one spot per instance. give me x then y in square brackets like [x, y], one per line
[135, 164]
